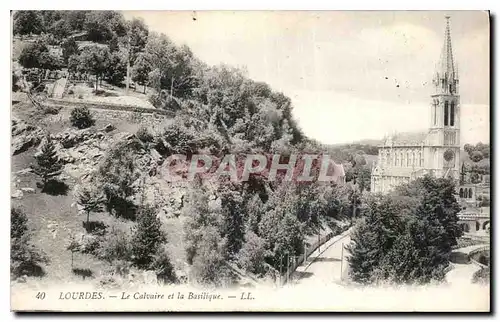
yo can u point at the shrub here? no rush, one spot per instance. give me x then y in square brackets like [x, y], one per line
[51, 110]
[252, 254]
[81, 118]
[115, 246]
[15, 79]
[144, 135]
[163, 267]
[90, 244]
[25, 259]
[147, 237]
[476, 156]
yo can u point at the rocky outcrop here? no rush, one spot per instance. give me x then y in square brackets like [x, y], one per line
[24, 136]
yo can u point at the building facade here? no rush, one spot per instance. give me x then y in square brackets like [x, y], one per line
[405, 157]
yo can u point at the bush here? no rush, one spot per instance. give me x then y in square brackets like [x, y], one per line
[252, 254]
[144, 135]
[15, 79]
[147, 237]
[90, 244]
[115, 246]
[476, 156]
[163, 267]
[481, 276]
[81, 118]
[25, 259]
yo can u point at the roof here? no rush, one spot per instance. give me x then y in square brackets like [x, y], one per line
[406, 138]
[394, 171]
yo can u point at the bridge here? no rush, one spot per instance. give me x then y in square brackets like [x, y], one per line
[474, 222]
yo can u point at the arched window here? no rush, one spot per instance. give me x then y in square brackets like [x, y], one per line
[401, 159]
[407, 159]
[461, 193]
[466, 194]
[397, 159]
[445, 112]
[452, 113]
[470, 192]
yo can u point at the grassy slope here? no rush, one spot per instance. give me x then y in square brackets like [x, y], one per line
[54, 219]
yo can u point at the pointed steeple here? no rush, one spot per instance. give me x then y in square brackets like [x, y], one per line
[446, 77]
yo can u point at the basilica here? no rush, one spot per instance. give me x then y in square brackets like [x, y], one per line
[405, 157]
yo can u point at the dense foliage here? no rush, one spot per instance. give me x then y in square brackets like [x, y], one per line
[25, 258]
[406, 237]
[81, 118]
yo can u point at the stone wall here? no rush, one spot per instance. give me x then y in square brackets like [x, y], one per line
[113, 113]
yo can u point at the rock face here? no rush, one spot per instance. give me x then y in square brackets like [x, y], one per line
[18, 194]
[24, 136]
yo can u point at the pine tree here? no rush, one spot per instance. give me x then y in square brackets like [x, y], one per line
[48, 164]
[147, 237]
[374, 236]
[364, 250]
[232, 227]
[90, 200]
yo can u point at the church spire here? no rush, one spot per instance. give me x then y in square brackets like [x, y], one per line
[446, 78]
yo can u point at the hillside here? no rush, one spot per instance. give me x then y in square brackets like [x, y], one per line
[112, 145]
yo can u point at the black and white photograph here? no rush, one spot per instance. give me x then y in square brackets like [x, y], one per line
[250, 161]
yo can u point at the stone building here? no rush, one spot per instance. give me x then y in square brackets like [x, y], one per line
[405, 157]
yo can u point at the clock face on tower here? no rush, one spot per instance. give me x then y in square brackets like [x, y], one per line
[449, 157]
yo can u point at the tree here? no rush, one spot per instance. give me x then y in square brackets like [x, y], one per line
[163, 267]
[90, 200]
[147, 237]
[138, 34]
[476, 156]
[140, 71]
[36, 55]
[373, 237]
[252, 254]
[407, 236]
[175, 65]
[118, 172]
[48, 164]
[117, 68]
[25, 258]
[60, 29]
[69, 48]
[232, 228]
[28, 22]
[101, 26]
[95, 59]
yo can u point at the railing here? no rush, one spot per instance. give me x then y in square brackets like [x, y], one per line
[296, 261]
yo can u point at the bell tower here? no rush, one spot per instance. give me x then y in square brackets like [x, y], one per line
[444, 130]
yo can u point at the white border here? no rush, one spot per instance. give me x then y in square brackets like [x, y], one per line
[186, 5]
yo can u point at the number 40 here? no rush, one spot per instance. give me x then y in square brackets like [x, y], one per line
[40, 295]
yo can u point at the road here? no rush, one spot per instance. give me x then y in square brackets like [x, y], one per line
[324, 266]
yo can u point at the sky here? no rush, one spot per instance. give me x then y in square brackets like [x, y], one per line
[351, 75]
